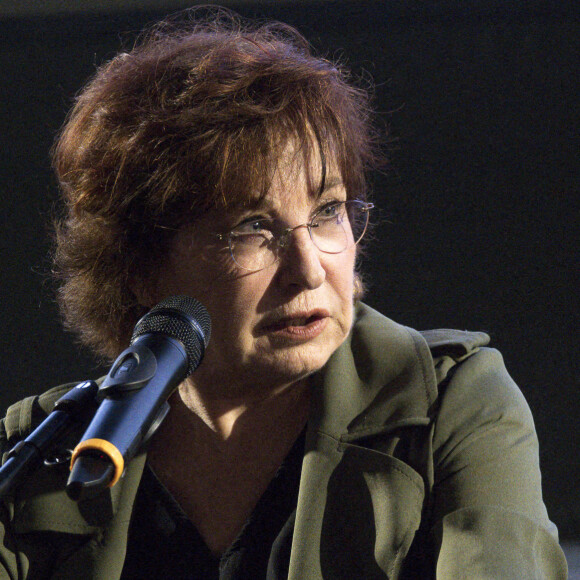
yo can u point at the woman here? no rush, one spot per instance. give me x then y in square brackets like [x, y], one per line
[317, 439]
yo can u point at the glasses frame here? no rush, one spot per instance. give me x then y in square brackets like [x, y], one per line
[281, 240]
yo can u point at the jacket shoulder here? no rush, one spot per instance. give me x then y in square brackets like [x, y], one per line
[25, 415]
[434, 352]
[441, 341]
[454, 343]
[449, 347]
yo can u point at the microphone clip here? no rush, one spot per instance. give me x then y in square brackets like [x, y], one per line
[132, 370]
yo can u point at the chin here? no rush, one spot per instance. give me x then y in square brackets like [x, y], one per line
[293, 364]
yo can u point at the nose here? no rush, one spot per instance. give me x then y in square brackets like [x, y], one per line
[300, 263]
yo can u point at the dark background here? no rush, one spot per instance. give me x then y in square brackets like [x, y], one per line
[477, 221]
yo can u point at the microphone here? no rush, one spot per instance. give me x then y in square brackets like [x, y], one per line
[167, 345]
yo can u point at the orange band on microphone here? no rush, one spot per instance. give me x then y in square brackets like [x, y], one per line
[104, 447]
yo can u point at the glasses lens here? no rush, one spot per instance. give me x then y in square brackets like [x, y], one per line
[252, 251]
[359, 218]
[337, 227]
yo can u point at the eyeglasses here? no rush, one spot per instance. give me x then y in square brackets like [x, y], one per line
[256, 244]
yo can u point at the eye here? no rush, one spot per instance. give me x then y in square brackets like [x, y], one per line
[329, 212]
[252, 227]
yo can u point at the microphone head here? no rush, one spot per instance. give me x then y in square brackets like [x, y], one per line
[183, 318]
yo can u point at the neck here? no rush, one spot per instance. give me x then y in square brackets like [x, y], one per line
[227, 419]
[217, 457]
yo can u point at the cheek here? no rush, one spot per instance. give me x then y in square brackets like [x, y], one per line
[342, 276]
[341, 280]
[196, 274]
[233, 304]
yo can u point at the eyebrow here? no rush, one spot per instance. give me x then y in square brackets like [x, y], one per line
[263, 203]
[331, 182]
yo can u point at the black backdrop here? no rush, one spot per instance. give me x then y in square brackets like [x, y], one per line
[476, 227]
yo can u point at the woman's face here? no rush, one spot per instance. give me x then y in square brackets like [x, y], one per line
[272, 327]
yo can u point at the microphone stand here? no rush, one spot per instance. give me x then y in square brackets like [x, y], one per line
[27, 455]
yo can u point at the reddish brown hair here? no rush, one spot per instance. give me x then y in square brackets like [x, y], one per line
[187, 121]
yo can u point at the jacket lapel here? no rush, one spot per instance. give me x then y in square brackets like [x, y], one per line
[360, 494]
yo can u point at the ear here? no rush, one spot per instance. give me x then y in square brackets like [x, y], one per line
[359, 287]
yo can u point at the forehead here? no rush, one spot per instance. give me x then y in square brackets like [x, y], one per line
[299, 178]
[298, 171]
[287, 172]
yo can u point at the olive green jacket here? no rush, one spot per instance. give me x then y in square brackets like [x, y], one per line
[421, 461]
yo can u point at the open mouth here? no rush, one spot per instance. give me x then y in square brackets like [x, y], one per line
[290, 323]
[302, 326]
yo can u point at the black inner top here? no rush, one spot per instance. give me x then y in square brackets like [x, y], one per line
[163, 542]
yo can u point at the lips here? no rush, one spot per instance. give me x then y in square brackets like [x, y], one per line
[292, 323]
[296, 322]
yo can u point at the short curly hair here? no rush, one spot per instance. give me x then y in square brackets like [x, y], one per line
[186, 122]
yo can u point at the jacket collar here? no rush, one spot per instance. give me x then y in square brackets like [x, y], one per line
[382, 377]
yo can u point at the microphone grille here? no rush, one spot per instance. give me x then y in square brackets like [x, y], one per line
[183, 318]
